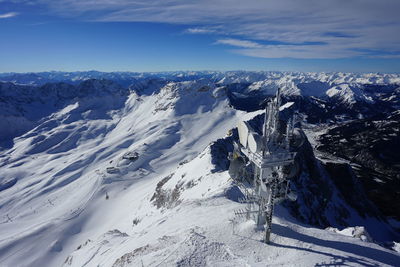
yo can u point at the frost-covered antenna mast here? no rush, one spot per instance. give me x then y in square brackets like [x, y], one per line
[272, 160]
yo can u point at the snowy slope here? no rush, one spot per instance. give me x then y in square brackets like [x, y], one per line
[67, 195]
[195, 229]
[59, 167]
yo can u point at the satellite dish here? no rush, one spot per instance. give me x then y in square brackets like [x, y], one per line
[254, 142]
[292, 196]
[298, 138]
[243, 129]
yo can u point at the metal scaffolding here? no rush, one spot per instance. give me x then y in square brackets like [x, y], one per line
[272, 161]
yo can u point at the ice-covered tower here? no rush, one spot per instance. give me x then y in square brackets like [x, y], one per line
[270, 157]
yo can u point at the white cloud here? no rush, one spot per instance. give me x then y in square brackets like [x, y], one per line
[322, 51]
[367, 24]
[303, 52]
[239, 43]
[200, 30]
[8, 15]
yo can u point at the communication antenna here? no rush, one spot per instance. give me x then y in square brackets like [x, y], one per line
[272, 161]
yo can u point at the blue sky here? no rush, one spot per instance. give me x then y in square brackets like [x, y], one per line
[166, 35]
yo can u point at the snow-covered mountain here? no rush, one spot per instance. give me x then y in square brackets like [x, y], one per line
[222, 78]
[346, 88]
[108, 173]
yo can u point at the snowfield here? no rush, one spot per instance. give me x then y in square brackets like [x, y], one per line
[129, 179]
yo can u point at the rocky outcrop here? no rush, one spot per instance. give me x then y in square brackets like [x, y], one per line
[373, 149]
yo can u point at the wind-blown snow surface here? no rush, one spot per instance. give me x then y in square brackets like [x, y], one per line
[60, 206]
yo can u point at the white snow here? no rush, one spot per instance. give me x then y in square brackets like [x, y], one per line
[66, 209]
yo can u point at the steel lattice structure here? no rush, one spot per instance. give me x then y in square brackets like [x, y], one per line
[267, 161]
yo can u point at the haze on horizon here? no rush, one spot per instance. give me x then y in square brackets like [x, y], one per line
[155, 35]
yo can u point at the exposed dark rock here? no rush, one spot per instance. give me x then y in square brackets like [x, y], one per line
[219, 152]
[131, 156]
[373, 147]
[350, 188]
[166, 198]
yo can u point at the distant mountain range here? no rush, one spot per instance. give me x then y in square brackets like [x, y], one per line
[40, 78]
